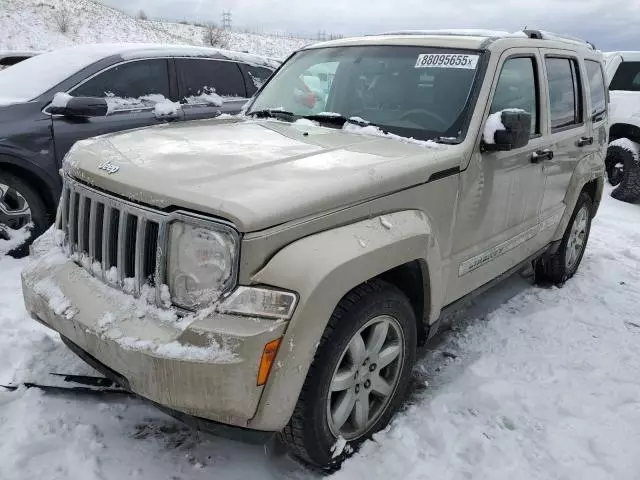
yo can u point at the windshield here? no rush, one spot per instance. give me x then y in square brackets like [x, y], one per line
[414, 92]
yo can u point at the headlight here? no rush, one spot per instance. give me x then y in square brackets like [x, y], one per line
[201, 263]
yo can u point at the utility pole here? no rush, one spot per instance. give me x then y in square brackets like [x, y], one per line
[226, 20]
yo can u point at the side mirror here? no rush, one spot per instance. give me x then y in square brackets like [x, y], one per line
[506, 130]
[81, 107]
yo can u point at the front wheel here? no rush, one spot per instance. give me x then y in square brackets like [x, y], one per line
[562, 265]
[358, 378]
[20, 207]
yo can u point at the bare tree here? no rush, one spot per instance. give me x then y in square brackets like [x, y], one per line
[214, 36]
[62, 17]
[142, 15]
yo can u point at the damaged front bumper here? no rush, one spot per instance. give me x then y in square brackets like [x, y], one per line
[203, 367]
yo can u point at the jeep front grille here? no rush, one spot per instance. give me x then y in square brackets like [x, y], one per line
[119, 242]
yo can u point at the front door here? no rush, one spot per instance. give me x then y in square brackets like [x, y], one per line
[210, 87]
[570, 130]
[138, 94]
[501, 192]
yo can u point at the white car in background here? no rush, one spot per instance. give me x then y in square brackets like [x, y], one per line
[10, 57]
[623, 154]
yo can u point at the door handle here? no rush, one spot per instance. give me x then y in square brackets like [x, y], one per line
[584, 141]
[541, 155]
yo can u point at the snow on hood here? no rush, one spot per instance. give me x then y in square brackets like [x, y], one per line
[254, 173]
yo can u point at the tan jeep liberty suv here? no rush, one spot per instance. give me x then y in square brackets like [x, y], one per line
[274, 272]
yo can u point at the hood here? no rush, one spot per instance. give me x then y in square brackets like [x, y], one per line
[256, 174]
[624, 107]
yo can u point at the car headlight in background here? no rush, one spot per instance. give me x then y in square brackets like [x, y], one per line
[201, 263]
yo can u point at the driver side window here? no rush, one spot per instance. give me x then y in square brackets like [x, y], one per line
[137, 84]
[517, 88]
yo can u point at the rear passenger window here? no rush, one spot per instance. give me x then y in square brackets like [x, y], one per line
[257, 77]
[199, 76]
[596, 88]
[565, 97]
[627, 77]
[129, 81]
[517, 89]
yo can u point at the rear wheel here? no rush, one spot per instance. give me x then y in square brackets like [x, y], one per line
[20, 206]
[358, 378]
[562, 265]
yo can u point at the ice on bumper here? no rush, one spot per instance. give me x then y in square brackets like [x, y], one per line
[203, 364]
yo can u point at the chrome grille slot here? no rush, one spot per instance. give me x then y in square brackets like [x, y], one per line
[102, 232]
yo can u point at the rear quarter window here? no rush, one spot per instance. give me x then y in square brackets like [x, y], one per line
[597, 91]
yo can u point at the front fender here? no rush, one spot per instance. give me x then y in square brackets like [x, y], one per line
[323, 268]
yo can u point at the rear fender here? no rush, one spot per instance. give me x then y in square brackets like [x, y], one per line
[588, 169]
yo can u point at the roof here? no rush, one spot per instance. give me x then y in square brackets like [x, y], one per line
[19, 53]
[32, 77]
[129, 51]
[459, 38]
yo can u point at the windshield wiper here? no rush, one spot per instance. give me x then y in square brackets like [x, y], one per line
[337, 120]
[447, 140]
[272, 113]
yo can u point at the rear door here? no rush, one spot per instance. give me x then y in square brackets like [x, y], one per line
[132, 90]
[569, 125]
[210, 87]
[254, 77]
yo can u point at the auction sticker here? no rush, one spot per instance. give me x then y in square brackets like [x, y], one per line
[447, 60]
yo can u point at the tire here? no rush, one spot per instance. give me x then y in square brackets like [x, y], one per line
[311, 433]
[615, 156]
[561, 266]
[628, 189]
[39, 217]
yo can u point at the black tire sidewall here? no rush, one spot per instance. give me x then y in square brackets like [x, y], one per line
[39, 214]
[615, 155]
[583, 200]
[318, 437]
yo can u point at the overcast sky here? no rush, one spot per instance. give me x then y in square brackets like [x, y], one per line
[610, 24]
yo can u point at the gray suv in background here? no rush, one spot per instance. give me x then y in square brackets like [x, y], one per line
[116, 87]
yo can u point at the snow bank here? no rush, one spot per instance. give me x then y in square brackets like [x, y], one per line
[29, 25]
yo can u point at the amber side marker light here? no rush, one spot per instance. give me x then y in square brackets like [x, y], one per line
[268, 356]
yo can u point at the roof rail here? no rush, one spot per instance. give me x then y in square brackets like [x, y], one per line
[542, 35]
[530, 33]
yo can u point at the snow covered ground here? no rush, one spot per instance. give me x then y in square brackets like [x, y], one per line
[545, 384]
[31, 25]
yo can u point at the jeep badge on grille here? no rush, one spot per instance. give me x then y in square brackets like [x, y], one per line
[108, 167]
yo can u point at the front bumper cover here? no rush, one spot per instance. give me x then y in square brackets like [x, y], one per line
[204, 366]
